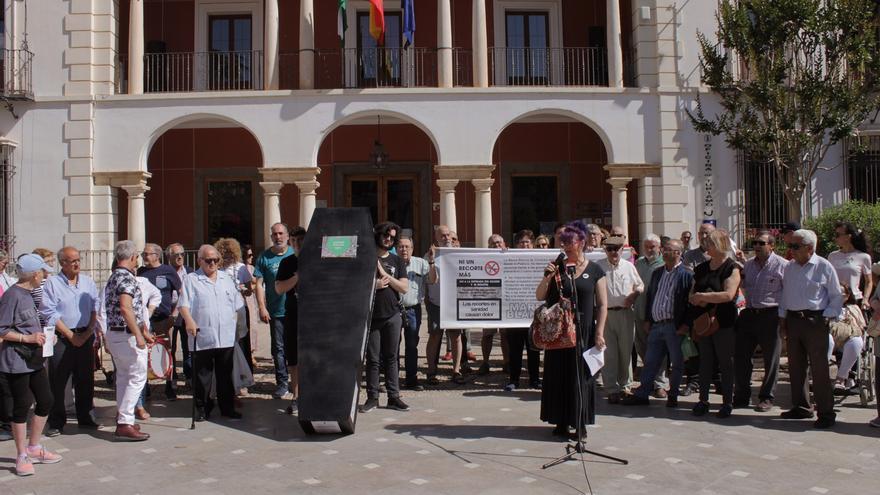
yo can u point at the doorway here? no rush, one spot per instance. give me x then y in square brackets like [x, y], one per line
[394, 198]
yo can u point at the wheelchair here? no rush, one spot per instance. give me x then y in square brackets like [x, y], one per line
[866, 372]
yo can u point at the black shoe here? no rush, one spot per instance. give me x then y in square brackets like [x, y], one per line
[741, 404]
[824, 422]
[672, 402]
[53, 432]
[397, 404]
[415, 387]
[292, 408]
[560, 431]
[369, 405]
[88, 423]
[536, 384]
[725, 411]
[170, 393]
[700, 408]
[796, 414]
[635, 400]
[201, 416]
[109, 377]
[232, 415]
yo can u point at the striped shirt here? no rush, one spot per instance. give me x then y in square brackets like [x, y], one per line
[762, 284]
[664, 300]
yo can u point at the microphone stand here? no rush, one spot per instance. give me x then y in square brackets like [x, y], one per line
[579, 445]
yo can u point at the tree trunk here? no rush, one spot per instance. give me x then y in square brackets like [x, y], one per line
[794, 204]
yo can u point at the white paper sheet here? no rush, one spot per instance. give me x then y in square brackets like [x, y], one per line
[595, 359]
[49, 346]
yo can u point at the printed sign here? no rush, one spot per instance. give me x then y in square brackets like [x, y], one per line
[339, 246]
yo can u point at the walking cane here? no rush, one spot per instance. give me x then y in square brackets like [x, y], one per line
[192, 360]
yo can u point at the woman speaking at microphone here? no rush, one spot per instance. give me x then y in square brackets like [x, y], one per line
[559, 398]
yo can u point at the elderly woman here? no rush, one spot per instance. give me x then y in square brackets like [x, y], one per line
[231, 264]
[567, 380]
[715, 286]
[23, 376]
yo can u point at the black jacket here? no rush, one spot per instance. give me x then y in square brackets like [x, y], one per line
[684, 280]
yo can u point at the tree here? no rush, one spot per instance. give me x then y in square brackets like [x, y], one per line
[805, 78]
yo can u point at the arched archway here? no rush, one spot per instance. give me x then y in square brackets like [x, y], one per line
[550, 169]
[205, 182]
[398, 187]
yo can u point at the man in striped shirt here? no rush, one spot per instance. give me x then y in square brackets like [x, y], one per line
[664, 318]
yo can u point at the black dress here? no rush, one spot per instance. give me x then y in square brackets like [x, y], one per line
[559, 397]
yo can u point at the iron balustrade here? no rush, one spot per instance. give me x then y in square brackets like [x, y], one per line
[585, 66]
[863, 168]
[16, 67]
[380, 67]
[463, 67]
[182, 72]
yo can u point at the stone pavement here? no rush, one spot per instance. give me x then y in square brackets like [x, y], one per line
[472, 438]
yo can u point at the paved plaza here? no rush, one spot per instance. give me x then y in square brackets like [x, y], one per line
[472, 438]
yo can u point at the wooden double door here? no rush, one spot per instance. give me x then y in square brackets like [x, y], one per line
[394, 198]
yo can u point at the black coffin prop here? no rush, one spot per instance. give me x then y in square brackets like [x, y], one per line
[335, 299]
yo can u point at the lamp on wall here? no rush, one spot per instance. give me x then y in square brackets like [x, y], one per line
[378, 157]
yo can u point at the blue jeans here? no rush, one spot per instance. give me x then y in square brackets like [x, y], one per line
[662, 339]
[411, 337]
[276, 335]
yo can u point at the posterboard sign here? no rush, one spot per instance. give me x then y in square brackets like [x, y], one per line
[491, 288]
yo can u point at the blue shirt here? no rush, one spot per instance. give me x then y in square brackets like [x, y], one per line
[214, 305]
[266, 268]
[416, 274]
[72, 304]
[813, 286]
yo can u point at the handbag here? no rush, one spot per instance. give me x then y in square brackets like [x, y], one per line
[705, 325]
[553, 326]
[32, 354]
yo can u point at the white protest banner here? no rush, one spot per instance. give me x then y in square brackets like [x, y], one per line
[491, 288]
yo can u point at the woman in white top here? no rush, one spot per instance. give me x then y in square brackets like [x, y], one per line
[852, 261]
[230, 262]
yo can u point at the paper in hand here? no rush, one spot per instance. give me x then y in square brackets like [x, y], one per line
[595, 359]
[49, 345]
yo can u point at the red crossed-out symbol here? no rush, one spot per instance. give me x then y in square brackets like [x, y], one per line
[492, 268]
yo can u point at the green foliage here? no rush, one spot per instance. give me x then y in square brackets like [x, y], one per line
[865, 216]
[806, 77]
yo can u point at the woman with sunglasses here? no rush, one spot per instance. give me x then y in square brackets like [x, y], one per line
[852, 261]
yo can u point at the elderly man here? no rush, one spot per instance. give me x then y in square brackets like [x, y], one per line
[442, 238]
[496, 241]
[594, 238]
[645, 266]
[811, 297]
[698, 255]
[686, 239]
[758, 323]
[70, 304]
[126, 338]
[383, 340]
[624, 286]
[665, 309]
[416, 273]
[272, 304]
[165, 278]
[210, 306]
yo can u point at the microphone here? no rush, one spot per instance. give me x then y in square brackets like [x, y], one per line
[560, 260]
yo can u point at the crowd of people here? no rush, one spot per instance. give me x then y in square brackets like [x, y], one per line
[693, 317]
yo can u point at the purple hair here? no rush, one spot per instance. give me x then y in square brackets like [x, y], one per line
[575, 230]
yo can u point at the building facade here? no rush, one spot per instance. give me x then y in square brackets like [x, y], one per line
[188, 120]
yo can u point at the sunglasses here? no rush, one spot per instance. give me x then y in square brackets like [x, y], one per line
[611, 249]
[759, 243]
[211, 261]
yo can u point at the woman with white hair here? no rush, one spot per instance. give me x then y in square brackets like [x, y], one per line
[23, 375]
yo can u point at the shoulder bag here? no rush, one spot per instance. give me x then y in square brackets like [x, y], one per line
[705, 325]
[553, 326]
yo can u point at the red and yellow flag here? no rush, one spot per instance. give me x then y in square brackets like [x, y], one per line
[377, 20]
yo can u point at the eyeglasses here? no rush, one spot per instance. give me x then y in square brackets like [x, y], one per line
[388, 235]
[175, 255]
[612, 249]
[211, 261]
[759, 243]
[795, 247]
[72, 262]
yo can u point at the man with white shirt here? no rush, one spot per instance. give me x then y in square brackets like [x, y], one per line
[811, 297]
[624, 286]
[209, 306]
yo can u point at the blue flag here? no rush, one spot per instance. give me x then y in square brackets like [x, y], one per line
[409, 23]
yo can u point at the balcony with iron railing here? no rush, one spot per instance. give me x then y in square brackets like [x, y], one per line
[380, 67]
[15, 65]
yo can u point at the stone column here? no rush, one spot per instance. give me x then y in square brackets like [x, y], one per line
[614, 42]
[137, 220]
[271, 207]
[483, 203]
[619, 214]
[306, 200]
[447, 202]
[444, 43]
[306, 45]
[136, 48]
[270, 44]
[480, 46]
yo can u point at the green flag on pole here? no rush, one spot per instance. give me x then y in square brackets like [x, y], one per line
[342, 22]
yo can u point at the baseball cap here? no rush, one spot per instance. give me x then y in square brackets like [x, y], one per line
[791, 227]
[29, 263]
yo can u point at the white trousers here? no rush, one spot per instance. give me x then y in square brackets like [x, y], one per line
[131, 373]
